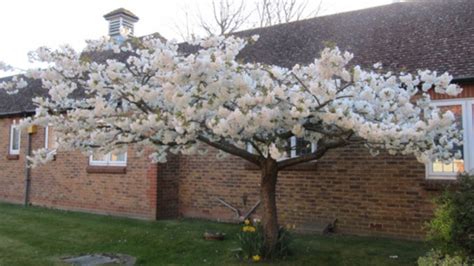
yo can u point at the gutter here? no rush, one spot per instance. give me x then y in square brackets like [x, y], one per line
[16, 113]
[465, 79]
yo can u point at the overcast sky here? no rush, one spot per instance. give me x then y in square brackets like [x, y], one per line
[28, 24]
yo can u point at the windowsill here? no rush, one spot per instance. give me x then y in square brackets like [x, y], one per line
[104, 169]
[13, 157]
[308, 166]
[442, 177]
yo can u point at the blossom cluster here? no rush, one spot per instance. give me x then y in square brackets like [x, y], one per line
[150, 94]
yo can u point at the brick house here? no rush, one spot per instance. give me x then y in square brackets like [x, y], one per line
[385, 195]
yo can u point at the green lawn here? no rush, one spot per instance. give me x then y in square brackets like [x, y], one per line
[37, 236]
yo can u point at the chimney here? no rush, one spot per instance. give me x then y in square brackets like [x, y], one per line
[120, 22]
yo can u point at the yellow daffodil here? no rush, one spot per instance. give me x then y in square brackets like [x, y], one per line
[247, 222]
[248, 228]
[256, 258]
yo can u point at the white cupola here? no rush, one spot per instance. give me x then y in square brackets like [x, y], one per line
[121, 22]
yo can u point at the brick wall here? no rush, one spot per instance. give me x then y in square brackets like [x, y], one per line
[168, 188]
[65, 183]
[12, 173]
[383, 196]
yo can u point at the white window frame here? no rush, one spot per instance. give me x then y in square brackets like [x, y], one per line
[468, 144]
[46, 137]
[107, 161]
[12, 151]
[293, 150]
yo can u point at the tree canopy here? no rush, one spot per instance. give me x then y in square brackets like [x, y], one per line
[158, 97]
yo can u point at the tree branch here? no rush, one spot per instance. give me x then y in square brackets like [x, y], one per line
[229, 148]
[320, 151]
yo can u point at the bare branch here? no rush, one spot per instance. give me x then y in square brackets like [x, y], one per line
[272, 12]
[184, 30]
[228, 17]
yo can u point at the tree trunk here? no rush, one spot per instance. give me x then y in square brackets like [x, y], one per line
[267, 196]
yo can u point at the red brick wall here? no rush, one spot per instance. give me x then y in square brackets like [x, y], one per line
[12, 173]
[65, 183]
[384, 195]
[168, 188]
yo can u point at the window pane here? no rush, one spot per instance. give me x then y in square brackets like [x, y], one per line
[302, 147]
[289, 147]
[109, 159]
[97, 157]
[117, 157]
[49, 138]
[437, 167]
[16, 138]
[458, 164]
[299, 146]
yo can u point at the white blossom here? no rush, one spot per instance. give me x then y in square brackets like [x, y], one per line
[164, 101]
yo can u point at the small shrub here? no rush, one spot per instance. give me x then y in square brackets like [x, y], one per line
[463, 215]
[440, 228]
[452, 228]
[251, 240]
[436, 258]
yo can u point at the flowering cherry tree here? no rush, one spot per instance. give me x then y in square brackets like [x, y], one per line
[154, 97]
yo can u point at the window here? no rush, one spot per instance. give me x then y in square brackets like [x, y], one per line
[299, 146]
[296, 147]
[109, 159]
[463, 111]
[15, 139]
[49, 138]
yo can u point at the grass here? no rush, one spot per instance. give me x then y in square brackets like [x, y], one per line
[38, 236]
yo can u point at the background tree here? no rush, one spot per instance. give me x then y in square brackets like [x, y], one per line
[169, 102]
[229, 16]
[226, 16]
[272, 12]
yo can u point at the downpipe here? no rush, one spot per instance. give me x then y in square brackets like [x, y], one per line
[31, 131]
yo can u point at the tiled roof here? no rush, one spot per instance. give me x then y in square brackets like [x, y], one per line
[436, 35]
[20, 102]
